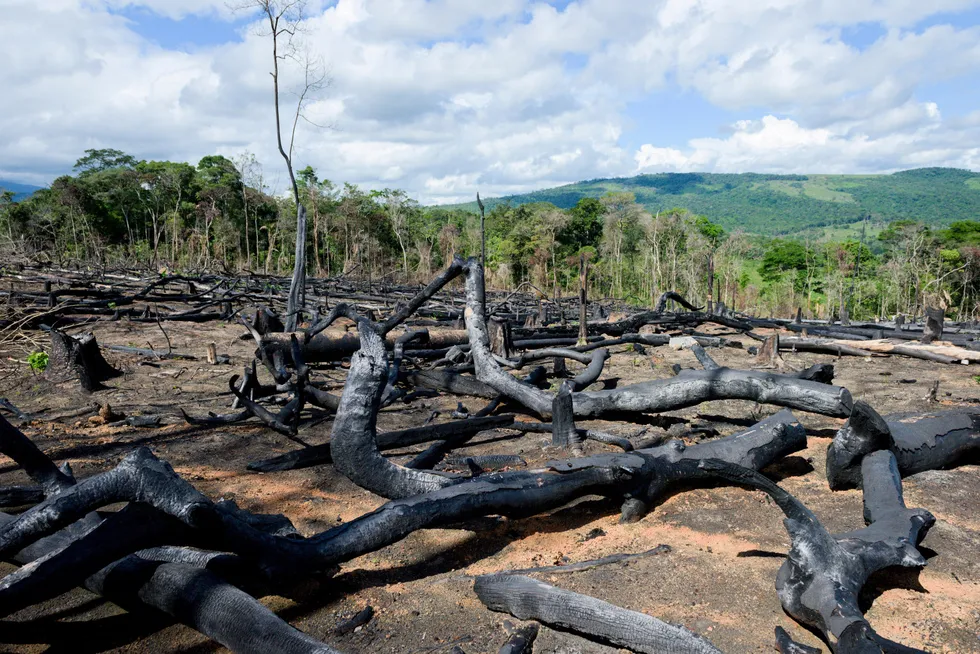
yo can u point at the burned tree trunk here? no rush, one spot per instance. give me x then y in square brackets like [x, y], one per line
[932, 330]
[78, 358]
[583, 300]
[823, 574]
[353, 442]
[563, 432]
[919, 441]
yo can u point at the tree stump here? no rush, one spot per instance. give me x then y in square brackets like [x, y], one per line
[932, 330]
[267, 322]
[563, 431]
[78, 357]
[501, 342]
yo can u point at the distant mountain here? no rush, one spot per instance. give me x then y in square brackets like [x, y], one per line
[787, 204]
[21, 191]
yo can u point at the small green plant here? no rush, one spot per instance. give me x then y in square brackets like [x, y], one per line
[38, 361]
[112, 305]
[976, 378]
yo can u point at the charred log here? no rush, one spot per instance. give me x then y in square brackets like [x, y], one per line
[919, 441]
[528, 599]
[661, 305]
[820, 580]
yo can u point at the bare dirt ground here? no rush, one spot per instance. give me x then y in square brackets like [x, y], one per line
[726, 544]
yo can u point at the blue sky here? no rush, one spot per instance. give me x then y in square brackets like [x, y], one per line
[189, 33]
[446, 97]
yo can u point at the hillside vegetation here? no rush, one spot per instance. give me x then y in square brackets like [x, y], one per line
[786, 204]
[173, 216]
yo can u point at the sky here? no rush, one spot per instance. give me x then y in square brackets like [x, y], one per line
[444, 98]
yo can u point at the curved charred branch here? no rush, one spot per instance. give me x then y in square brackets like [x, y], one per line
[820, 580]
[919, 441]
[62, 568]
[661, 305]
[763, 443]
[390, 393]
[691, 387]
[215, 419]
[550, 353]
[320, 454]
[592, 371]
[272, 354]
[272, 421]
[7, 405]
[353, 443]
[79, 357]
[180, 584]
[451, 381]
[14, 444]
[140, 477]
[536, 377]
[202, 600]
[609, 439]
[528, 599]
[687, 389]
[321, 398]
[452, 272]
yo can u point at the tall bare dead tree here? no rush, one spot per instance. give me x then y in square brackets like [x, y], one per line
[285, 18]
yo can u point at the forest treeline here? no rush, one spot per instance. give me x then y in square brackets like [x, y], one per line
[118, 211]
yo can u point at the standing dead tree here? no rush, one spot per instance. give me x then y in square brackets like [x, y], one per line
[284, 19]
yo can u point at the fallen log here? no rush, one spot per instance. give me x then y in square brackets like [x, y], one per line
[919, 441]
[687, 389]
[333, 347]
[528, 599]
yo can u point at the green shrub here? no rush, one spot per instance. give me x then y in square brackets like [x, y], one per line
[38, 361]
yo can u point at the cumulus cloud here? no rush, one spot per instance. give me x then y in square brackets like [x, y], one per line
[446, 97]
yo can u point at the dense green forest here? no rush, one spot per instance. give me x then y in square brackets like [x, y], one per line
[776, 205]
[118, 211]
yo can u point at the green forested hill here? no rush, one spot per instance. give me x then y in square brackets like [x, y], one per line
[788, 204]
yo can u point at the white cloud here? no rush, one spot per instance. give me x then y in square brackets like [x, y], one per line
[445, 97]
[784, 146]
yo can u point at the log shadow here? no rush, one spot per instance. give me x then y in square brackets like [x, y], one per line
[83, 636]
[765, 554]
[490, 537]
[889, 579]
[790, 466]
[787, 467]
